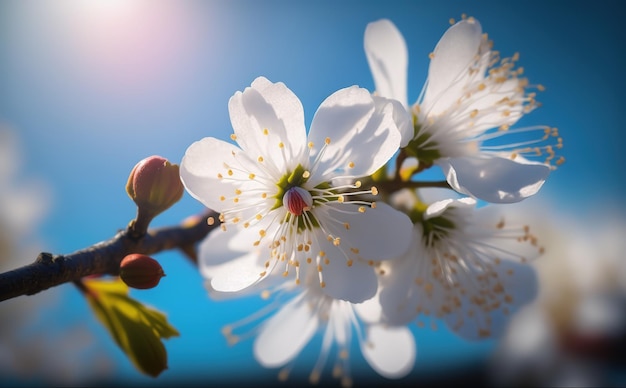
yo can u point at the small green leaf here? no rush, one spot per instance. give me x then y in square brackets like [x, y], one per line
[136, 328]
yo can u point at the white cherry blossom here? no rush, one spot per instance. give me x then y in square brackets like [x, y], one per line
[295, 196]
[470, 99]
[467, 266]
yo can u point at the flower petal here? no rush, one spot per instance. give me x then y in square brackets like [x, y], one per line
[286, 333]
[268, 120]
[450, 65]
[401, 117]
[390, 351]
[228, 269]
[363, 137]
[493, 178]
[388, 59]
[199, 170]
[378, 233]
[370, 311]
[401, 296]
[437, 208]
[354, 283]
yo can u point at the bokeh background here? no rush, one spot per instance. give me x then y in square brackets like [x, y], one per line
[90, 87]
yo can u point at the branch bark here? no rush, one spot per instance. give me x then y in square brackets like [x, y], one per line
[51, 270]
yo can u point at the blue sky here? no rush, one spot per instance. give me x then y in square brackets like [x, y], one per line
[92, 87]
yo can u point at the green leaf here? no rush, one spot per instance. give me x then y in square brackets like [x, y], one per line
[136, 328]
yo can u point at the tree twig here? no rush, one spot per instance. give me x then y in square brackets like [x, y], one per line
[50, 270]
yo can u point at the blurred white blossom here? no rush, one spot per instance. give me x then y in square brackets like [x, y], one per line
[574, 334]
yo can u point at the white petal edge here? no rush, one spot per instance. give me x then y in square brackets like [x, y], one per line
[390, 351]
[363, 137]
[379, 233]
[399, 294]
[265, 115]
[402, 118]
[354, 284]
[286, 333]
[227, 269]
[437, 208]
[452, 57]
[370, 311]
[388, 58]
[493, 178]
[199, 169]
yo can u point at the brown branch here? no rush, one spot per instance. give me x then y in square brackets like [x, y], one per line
[50, 270]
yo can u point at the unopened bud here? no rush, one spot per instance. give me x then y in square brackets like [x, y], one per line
[140, 271]
[154, 184]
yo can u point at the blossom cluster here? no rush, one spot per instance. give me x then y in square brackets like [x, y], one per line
[335, 226]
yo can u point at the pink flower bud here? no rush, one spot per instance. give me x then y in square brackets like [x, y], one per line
[140, 271]
[154, 184]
